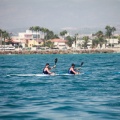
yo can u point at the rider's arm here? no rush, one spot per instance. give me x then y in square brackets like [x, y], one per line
[48, 71]
[53, 67]
[74, 71]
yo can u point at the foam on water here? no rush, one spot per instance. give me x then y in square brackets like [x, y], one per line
[42, 75]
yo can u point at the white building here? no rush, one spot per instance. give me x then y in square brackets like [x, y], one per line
[30, 35]
[113, 41]
[80, 42]
[59, 43]
[24, 37]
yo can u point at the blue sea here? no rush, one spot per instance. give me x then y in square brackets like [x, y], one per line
[27, 95]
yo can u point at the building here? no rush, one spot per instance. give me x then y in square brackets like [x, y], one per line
[33, 43]
[18, 41]
[113, 42]
[80, 43]
[27, 39]
[59, 43]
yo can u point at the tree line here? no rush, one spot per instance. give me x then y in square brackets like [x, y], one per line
[98, 37]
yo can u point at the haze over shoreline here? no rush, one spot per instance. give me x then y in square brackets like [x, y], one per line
[85, 30]
[83, 16]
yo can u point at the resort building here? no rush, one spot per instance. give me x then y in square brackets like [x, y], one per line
[80, 42]
[17, 41]
[113, 42]
[32, 43]
[27, 39]
[59, 43]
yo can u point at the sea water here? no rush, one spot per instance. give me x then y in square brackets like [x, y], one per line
[92, 95]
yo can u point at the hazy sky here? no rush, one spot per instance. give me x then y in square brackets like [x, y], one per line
[58, 14]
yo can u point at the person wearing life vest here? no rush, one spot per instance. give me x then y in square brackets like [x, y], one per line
[47, 69]
[72, 70]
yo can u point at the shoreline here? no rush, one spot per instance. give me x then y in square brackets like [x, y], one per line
[81, 51]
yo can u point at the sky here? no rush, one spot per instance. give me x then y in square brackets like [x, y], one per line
[59, 14]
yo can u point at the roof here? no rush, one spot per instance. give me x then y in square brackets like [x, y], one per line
[39, 40]
[18, 41]
[58, 40]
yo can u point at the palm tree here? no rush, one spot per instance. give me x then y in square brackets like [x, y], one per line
[45, 31]
[76, 35]
[99, 34]
[5, 35]
[113, 30]
[63, 33]
[70, 41]
[100, 38]
[108, 31]
[31, 28]
[49, 35]
[37, 29]
[56, 36]
[95, 42]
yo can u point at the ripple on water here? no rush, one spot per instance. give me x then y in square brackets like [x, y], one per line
[92, 95]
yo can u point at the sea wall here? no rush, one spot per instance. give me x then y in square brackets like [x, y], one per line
[81, 51]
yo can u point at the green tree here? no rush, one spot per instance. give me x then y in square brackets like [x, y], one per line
[70, 41]
[99, 34]
[5, 35]
[44, 31]
[36, 29]
[49, 35]
[99, 39]
[32, 28]
[75, 38]
[113, 30]
[109, 31]
[62, 33]
[56, 36]
[95, 42]
[49, 44]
